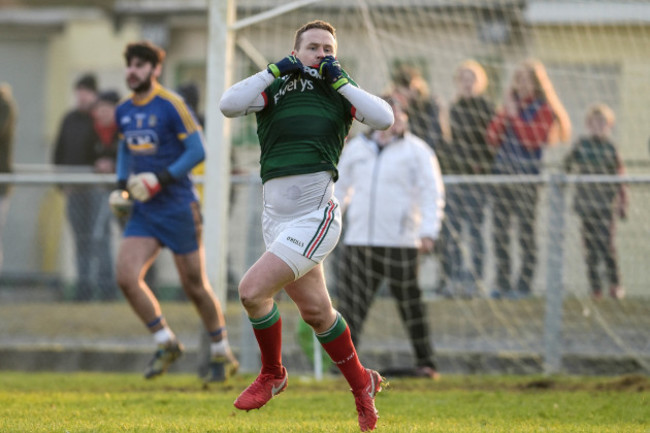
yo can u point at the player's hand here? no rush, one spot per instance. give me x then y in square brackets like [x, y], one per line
[143, 186]
[330, 69]
[285, 66]
[120, 203]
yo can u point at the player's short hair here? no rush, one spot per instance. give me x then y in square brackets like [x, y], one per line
[316, 24]
[145, 50]
[601, 109]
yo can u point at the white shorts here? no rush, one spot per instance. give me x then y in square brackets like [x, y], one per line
[301, 220]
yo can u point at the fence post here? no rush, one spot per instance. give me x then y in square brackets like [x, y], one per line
[554, 274]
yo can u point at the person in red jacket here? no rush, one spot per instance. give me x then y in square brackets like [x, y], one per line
[532, 117]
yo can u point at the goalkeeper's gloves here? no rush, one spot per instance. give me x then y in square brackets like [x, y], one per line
[286, 66]
[120, 202]
[330, 69]
[145, 185]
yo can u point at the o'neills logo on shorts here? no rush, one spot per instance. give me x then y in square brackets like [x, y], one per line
[295, 241]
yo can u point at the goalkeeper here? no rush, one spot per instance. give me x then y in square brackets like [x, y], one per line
[305, 105]
[160, 143]
[392, 192]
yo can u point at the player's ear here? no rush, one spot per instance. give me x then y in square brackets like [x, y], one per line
[157, 71]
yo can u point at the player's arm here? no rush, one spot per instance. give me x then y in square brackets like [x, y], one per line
[144, 186]
[369, 109]
[120, 200]
[247, 96]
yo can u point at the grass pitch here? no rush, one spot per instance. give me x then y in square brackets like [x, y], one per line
[100, 402]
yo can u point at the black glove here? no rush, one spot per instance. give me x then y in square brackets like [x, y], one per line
[330, 69]
[285, 66]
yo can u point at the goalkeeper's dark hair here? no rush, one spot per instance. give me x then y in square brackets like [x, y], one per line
[316, 24]
[145, 50]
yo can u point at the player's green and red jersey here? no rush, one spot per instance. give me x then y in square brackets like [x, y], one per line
[303, 126]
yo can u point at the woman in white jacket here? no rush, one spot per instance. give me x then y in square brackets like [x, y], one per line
[390, 188]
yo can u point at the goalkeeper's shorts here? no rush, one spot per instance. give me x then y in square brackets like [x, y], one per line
[177, 227]
[304, 242]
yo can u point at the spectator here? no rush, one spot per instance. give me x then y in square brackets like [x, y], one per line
[531, 118]
[8, 118]
[382, 240]
[106, 152]
[467, 154]
[76, 149]
[106, 129]
[598, 204]
[427, 119]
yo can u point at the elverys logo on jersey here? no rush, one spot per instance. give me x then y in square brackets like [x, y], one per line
[142, 142]
[293, 85]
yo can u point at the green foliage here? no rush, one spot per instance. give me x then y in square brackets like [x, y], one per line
[98, 402]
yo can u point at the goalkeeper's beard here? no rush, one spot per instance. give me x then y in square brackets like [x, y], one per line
[144, 86]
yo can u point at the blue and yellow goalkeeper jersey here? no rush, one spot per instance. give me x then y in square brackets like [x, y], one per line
[153, 136]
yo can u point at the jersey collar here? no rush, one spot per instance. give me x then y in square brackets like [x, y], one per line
[155, 90]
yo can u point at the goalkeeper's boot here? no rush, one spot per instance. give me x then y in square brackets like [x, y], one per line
[265, 387]
[163, 358]
[221, 367]
[364, 398]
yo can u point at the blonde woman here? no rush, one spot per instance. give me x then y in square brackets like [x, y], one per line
[468, 154]
[531, 119]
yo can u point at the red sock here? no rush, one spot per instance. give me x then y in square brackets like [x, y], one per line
[268, 331]
[341, 349]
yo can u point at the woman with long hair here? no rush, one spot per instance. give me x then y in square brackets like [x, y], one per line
[532, 118]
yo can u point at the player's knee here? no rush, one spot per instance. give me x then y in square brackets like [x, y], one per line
[315, 317]
[194, 286]
[126, 280]
[249, 295]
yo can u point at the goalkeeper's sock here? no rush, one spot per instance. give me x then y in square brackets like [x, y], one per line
[164, 336]
[338, 344]
[219, 348]
[268, 331]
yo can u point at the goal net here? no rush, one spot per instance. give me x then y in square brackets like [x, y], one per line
[537, 266]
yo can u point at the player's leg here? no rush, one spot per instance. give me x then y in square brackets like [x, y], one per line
[402, 276]
[256, 289]
[310, 295]
[134, 258]
[194, 280]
